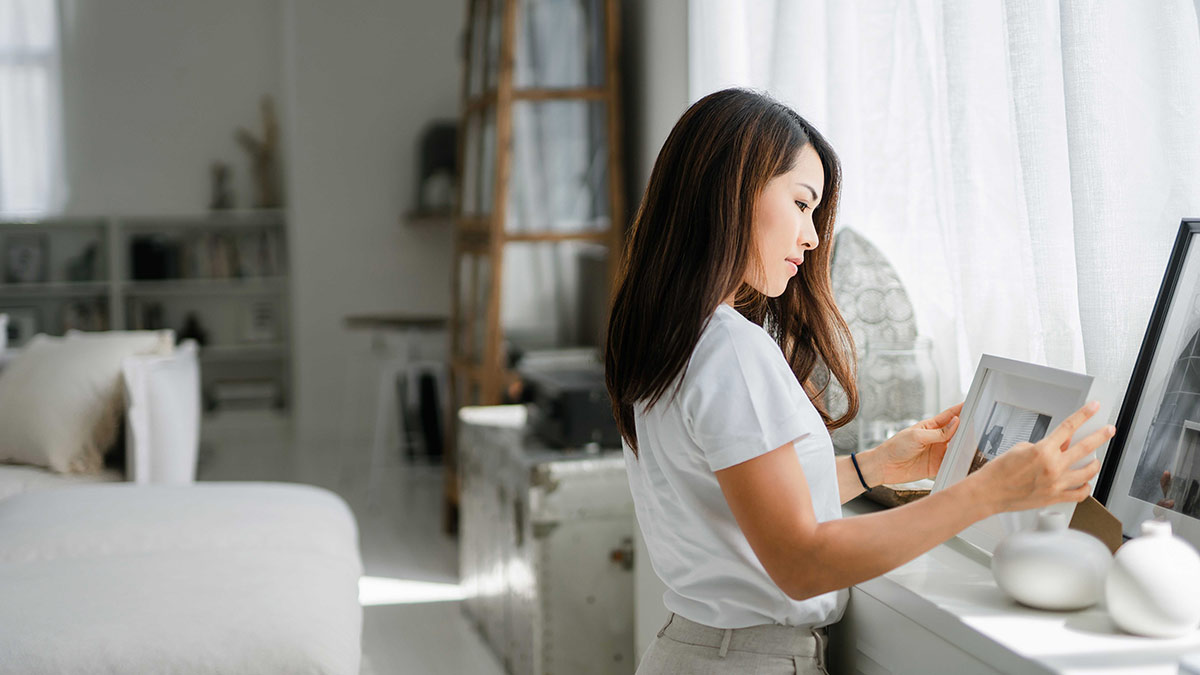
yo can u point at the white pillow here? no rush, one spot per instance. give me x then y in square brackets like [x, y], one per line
[163, 433]
[62, 399]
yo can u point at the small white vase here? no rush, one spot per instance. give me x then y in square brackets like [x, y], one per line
[1052, 567]
[1153, 588]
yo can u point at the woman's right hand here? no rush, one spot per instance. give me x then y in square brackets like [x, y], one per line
[1034, 475]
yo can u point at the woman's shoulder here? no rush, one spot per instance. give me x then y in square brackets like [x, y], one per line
[728, 328]
[730, 340]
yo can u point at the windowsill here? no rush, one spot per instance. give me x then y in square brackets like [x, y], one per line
[950, 592]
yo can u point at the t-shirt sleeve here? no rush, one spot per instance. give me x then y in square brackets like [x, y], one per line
[740, 398]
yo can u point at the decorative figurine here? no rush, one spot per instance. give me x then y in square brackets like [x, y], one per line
[1153, 588]
[264, 157]
[222, 194]
[83, 267]
[438, 168]
[193, 330]
[1052, 567]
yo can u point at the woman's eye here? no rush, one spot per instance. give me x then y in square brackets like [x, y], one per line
[803, 206]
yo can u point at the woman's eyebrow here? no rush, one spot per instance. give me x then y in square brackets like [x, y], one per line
[810, 189]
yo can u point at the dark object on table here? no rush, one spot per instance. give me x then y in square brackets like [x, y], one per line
[887, 495]
[193, 330]
[83, 267]
[438, 168]
[431, 415]
[222, 194]
[153, 257]
[571, 407]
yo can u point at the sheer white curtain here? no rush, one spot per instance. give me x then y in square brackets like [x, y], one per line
[1024, 164]
[31, 171]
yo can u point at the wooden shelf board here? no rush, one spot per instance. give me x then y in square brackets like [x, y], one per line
[55, 288]
[261, 218]
[243, 286]
[244, 352]
[600, 236]
[47, 224]
[428, 219]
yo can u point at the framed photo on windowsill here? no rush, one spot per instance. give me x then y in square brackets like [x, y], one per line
[1009, 402]
[1153, 464]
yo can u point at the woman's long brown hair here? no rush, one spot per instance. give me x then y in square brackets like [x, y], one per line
[692, 242]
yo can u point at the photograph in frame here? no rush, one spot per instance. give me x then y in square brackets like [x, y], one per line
[1009, 402]
[1153, 465]
[26, 258]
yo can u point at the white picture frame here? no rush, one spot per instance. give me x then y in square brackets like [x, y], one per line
[1009, 402]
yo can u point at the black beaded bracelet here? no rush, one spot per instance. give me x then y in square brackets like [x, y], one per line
[854, 460]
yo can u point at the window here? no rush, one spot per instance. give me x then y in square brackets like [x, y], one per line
[30, 109]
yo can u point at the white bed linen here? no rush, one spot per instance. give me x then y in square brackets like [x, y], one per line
[210, 578]
[17, 479]
[122, 518]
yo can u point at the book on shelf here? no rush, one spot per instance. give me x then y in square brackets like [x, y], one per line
[208, 255]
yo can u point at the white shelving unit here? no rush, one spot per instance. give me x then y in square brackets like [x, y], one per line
[243, 304]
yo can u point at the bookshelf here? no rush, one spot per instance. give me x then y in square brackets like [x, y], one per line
[225, 272]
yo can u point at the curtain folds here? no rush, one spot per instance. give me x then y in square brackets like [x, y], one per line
[1023, 164]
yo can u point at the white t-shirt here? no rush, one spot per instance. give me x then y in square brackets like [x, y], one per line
[739, 400]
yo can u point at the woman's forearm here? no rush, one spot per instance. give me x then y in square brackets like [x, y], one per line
[840, 553]
[849, 486]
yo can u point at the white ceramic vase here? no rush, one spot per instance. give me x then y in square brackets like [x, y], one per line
[1052, 567]
[1153, 588]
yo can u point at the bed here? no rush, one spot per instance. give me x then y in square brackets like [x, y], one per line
[209, 578]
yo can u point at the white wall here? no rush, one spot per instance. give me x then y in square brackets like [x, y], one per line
[655, 87]
[154, 91]
[152, 94]
[363, 78]
[655, 91]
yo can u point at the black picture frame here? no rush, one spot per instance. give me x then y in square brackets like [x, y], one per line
[1126, 466]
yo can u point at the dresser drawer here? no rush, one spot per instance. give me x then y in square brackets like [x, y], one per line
[874, 639]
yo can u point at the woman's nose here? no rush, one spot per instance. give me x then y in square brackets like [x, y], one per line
[808, 237]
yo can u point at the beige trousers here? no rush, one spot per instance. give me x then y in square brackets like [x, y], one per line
[684, 646]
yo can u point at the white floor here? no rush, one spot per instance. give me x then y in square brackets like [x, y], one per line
[411, 567]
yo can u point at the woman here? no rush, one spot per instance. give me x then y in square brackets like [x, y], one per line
[711, 354]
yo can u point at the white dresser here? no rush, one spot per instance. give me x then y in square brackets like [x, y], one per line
[942, 613]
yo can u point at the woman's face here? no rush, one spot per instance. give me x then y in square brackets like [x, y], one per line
[783, 223]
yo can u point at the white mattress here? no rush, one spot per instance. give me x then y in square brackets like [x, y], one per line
[17, 479]
[211, 578]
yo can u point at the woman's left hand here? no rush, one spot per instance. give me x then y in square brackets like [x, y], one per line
[917, 451]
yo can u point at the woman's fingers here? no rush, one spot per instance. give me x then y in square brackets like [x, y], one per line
[943, 418]
[1062, 434]
[1078, 494]
[1088, 444]
[1077, 477]
[938, 435]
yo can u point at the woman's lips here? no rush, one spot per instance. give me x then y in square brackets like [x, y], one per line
[795, 263]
